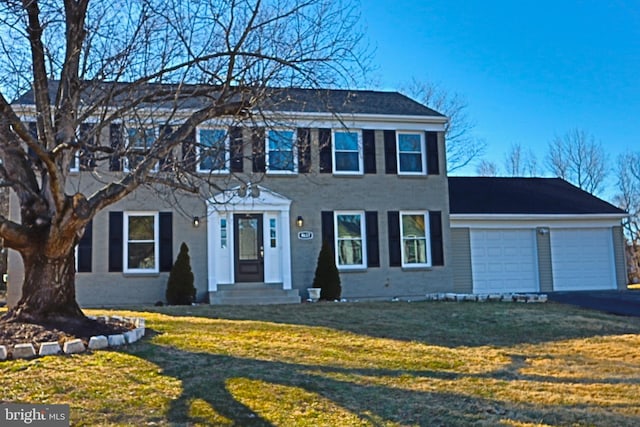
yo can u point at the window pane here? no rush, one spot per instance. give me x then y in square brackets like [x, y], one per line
[213, 149]
[347, 162]
[349, 226]
[223, 233]
[349, 232]
[410, 162]
[346, 141]
[141, 228]
[350, 252]
[272, 232]
[248, 239]
[415, 251]
[213, 138]
[141, 256]
[414, 239]
[281, 140]
[409, 142]
[281, 160]
[281, 150]
[141, 139]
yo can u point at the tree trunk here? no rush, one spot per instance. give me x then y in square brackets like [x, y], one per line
[48, 291]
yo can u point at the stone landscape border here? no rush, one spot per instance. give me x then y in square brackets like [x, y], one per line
[506, 297]
[74, 346]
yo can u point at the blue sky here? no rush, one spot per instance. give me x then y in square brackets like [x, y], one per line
[529, 70]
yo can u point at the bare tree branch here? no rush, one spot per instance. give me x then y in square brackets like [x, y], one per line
[462, 146]
[579, 159]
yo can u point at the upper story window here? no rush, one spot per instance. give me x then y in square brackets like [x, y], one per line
[213, 150]
[141, 248]
[350, 240]
[411, 153]
[139, 142]
[281, 151]
[347, 152]
[415, 242]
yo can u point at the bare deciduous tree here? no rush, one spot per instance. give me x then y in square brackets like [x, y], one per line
[486, 168]
[628, 198]
[518, 162]
[462, 146]
[579, 159]
[144, 61]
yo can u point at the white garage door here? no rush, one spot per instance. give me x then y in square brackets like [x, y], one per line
[582, 259]
[504, 261]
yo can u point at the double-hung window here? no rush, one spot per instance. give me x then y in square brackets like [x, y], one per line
[213, 150]
[141, 248]
[411, 153]
[347, 152]
[139, 143]
[281, 151]
[350, 240]
[415, 241]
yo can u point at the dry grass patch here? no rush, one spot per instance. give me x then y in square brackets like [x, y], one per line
[383, 364]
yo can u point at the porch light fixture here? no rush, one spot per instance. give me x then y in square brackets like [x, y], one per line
[299, 221]
[196, 221]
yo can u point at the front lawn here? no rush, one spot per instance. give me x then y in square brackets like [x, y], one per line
[344, 364]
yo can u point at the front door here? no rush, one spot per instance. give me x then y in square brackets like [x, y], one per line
[248, 248]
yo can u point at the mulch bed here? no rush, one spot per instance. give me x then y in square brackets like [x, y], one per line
[59, 330]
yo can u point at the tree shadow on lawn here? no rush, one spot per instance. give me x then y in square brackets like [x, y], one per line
[447, 324]
[242, 391]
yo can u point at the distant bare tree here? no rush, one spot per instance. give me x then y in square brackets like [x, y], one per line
[462, 146]
[486, 168]
[628, 198]
[579, 159]
[518, 162]
[138, 62]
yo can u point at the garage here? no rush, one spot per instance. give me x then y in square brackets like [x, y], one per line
[513, 235]
[504, 261]
[582, 259]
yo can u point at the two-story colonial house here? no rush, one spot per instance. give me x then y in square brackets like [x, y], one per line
[363, 170]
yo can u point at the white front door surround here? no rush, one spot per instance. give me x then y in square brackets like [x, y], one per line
[274, 209]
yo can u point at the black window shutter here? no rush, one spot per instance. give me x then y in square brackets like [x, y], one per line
[433, 166]
[373, 247]
[115, 241]
[165, 132]
[87, 157]
[257, 143]
[327, 229]
[117, 144]
[33, 131]
[390, 161]
[304, 150]
[235, 142]
[369, 149]
[395, 253]
[189, 151]
[166, 240]
[85, 249]
[435, 233]
[326, 158]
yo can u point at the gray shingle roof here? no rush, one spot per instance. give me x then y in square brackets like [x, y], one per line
[338, 101]
[538, 196]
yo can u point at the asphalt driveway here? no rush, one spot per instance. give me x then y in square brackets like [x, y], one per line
[625, 303]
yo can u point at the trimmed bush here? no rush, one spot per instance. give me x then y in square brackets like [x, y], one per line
[180, 289]
[327, 277]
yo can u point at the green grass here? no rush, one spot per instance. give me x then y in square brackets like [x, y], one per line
[390, 364]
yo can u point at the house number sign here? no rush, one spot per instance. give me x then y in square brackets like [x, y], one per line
[305, 235]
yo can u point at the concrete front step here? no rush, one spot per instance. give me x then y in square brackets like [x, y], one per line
[254, 294]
